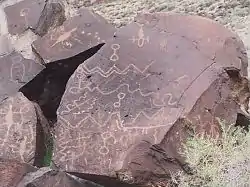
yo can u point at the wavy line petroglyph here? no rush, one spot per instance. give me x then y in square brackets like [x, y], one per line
[114, 69]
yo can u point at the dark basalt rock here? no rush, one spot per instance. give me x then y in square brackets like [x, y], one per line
[15, 71]
[12, 172]
[18, 174]
[53, 15]
[17, 129]
[76, 35]
[39, 16]
[23, 15]
[121, 104]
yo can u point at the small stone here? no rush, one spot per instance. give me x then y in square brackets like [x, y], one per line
[23, 15]
[15, 71]
[76, 35]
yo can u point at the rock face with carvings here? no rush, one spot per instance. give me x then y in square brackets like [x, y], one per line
[23, 15]
[120, 104]
[78, 34]
[17, 129]
[39, 16]
[16, 71]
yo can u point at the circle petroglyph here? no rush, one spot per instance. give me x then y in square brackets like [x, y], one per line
[136, 99]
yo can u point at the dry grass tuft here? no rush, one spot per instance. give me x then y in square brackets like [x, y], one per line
[221, 162]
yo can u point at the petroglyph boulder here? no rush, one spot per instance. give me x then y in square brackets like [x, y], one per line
[15, 71]
[23, 15]
[17, 128]
[76, 35]
[124, 99]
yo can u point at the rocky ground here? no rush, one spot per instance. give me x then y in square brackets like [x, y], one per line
[109, 99]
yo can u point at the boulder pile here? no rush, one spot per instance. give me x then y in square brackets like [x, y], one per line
[112, 107]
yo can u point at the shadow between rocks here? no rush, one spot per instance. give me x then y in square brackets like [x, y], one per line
[48, 87]
[46, 91]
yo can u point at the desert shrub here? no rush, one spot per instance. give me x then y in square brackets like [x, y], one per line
[217, 162]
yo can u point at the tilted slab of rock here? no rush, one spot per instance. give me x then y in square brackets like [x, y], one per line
[23, 15]
[76, 35]
[18, 174]
[15, 71]
[137, 86]
[12, 172]
[17, 128]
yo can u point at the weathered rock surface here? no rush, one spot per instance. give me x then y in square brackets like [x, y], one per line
[18, 174]
[23, 15]
[48, 177]
[12, 172]
[53, 15]
[76, 35]
[15, 71]
[5, 46]
[123, 101]
[17, 129]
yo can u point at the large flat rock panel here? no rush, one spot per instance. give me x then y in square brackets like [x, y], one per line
[15, 71]
[124, 99]
[23, 15]
[76, 35]
[17, 129]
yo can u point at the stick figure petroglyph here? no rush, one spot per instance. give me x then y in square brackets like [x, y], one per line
[114, 57]
[24, 13]
[17, 70]
[141, 39]
[64, 37]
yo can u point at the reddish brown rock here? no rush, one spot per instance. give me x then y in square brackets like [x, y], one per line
[17, 129]
[76, 35]
[15, 71]
[23, 15]
[12, 172]
[18, 174]
[120, 104]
